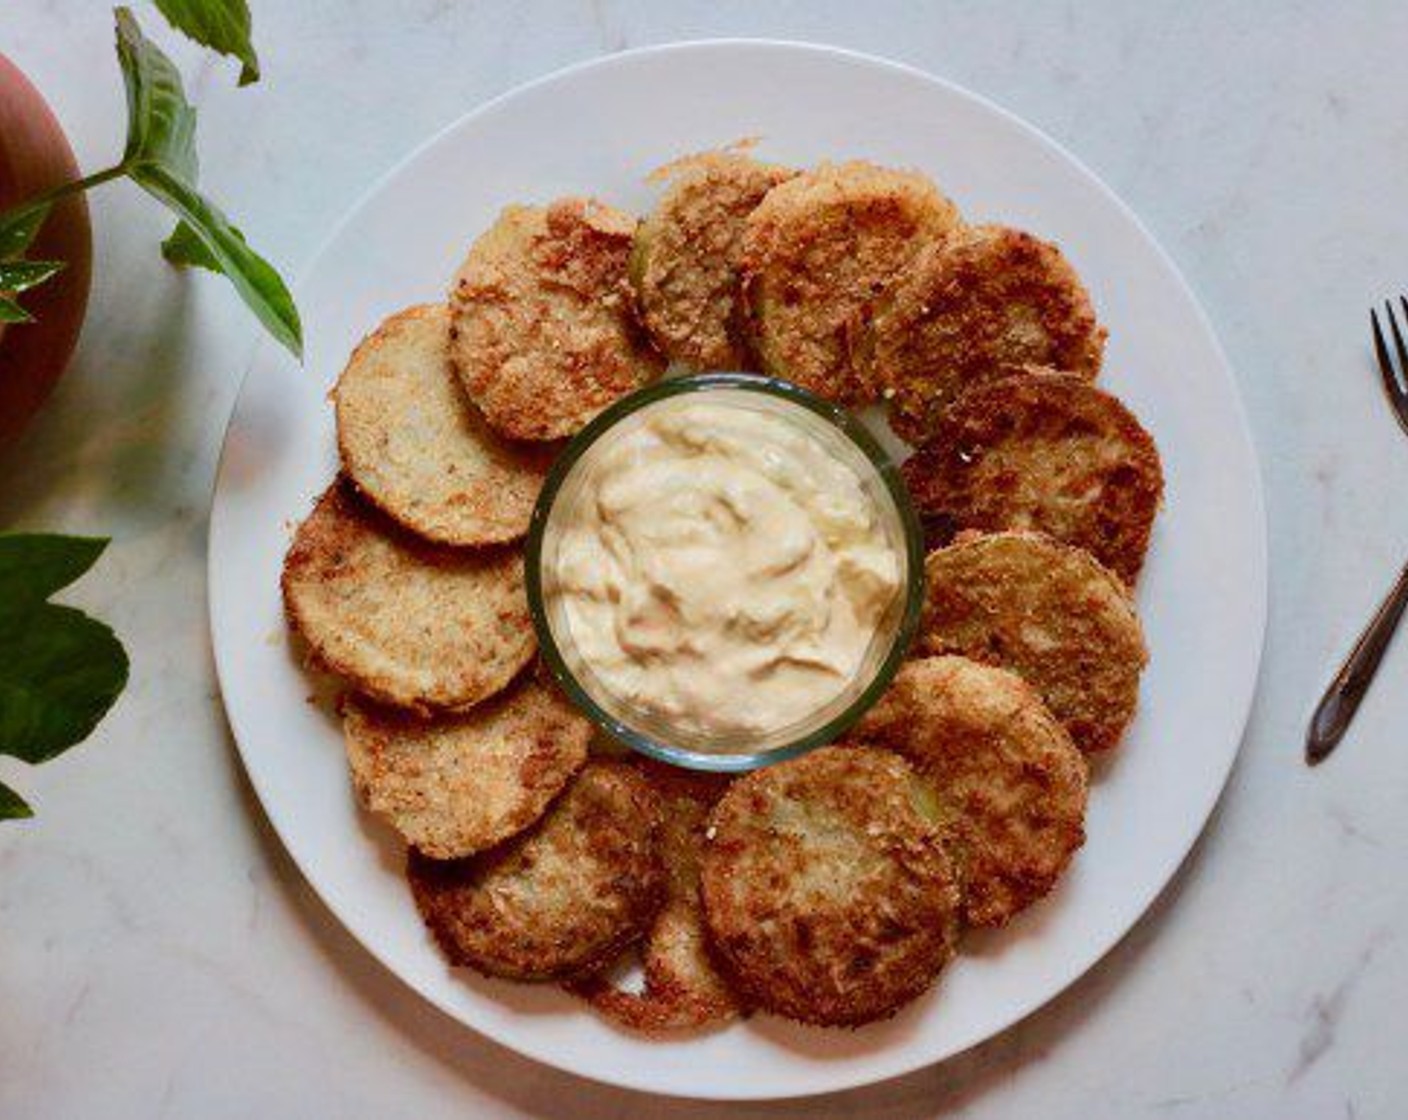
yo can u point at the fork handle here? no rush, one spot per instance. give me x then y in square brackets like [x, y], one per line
[1341, 700]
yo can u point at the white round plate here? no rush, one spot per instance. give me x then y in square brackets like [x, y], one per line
[599, 129]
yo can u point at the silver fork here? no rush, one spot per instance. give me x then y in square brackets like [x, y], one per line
[1341, 699]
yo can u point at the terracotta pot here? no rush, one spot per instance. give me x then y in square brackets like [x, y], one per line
[34, 156]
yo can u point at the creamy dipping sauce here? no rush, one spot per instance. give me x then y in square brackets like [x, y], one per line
[721, 567]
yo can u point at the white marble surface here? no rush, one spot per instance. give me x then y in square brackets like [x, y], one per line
[159, 955]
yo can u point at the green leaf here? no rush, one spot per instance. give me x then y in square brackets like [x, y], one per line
[33, 566]
[221, 25]
[11, 312]
[161, 158]
[20, 276]
[60, 670]
[12, 805]
[59, 674]
[19, 227]
[161, 123]
[185, 249]
[253, 277]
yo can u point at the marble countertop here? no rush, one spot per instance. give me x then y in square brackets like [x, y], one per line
[162, 957]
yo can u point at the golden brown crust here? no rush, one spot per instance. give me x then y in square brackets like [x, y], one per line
[543, 329]
[416, 447]
[456, 785]
[560, 900]
[1010, 783]
[1052, 454]
[413, 625]
[985, 303]
[1050, 613]
[817, 253]
[686, 257]
[827, 891]
[683, 990]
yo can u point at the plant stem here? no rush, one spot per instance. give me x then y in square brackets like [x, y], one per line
[53, 194]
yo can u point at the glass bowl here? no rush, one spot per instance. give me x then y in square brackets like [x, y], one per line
[652, 734]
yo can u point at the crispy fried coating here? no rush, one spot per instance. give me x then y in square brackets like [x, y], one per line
[455, 785]
[683, 989]
[818, 252]
[543, 331]
[1009, 782]
[686, 257]
[983, 304]
[561, 899]
[827, 889]
[1049, 612]
[415, 446]
[410, 624]
[1052, 454]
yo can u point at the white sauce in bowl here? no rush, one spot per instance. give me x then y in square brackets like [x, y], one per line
[721, 568]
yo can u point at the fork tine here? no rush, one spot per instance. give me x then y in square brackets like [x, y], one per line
[1381, 351]
[1397, 338]
[1393, 388]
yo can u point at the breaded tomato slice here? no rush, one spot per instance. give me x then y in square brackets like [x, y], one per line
[1049, 612]
[1009, 782]
[683, 990]
[455, 785]
[410, 624]
[818, 253]
[828, 892]
[985, 303]
[1052, 454]
[687, 252]
[416, 447]
[543, 330]
[561, 899]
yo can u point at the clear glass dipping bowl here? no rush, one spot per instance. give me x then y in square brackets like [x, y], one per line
[648, 732]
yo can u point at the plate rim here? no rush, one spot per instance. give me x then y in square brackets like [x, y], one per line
[1258, 542]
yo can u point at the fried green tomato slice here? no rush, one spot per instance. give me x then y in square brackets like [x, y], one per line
[404, 622]
[686, 258]
[1052, 454]
[456, 785]
[417, 448]
[818, 252]
[983, 304]
[682, 989]
[1009, 782]
[1050, 613]
[827, 889]
[561, 899]
[543, 330]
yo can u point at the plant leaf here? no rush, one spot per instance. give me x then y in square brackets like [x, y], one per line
[253, 277]
[161, 158]
[19, 227]
[11, 312]
[20, 276]
[161, 123]
[33, 566]
[60, 670]
[12, 805]
[60, 673]
[221, 25]
[185, 249]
